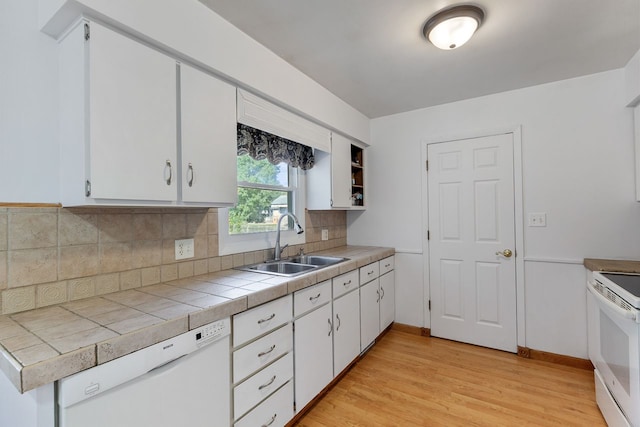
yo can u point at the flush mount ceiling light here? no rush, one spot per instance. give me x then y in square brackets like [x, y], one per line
[451, 28]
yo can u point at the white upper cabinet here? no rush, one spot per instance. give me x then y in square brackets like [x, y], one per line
[208, 138]
[636, 121]
[120, 122]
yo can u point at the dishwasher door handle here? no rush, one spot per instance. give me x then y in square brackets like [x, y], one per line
[166, 365]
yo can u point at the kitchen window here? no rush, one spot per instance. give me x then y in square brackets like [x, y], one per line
[266, 190]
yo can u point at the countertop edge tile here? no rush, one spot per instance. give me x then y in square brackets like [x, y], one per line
[265, 295]
[48, 371]
[620, 266]
[217, 312]
[12, 368]
[122, 345]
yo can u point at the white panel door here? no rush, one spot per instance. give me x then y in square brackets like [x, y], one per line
[208, 138]
[346, 337]
[472, 227]
[387, 299]
[340, 171]
[132, 119]
[369, 313]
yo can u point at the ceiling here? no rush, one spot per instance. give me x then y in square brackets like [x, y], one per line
[372, 54]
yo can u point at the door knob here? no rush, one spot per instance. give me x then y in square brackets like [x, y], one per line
[506, 253]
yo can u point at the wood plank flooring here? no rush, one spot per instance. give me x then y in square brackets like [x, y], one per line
[409, 380]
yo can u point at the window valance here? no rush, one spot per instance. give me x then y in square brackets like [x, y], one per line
[263, 145]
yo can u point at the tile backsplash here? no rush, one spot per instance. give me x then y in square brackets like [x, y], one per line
[54, 255]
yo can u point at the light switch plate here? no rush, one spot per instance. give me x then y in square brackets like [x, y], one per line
[538, 219]
[184, 249]
[325, 234]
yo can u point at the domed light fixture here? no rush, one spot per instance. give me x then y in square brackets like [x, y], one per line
[451, 28]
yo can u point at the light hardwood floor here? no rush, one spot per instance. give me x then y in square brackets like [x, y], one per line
[409, 380]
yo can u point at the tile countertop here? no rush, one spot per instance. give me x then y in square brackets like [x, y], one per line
[619, 266]
[40, 346]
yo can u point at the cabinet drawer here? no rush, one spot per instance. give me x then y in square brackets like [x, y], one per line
[369, 272]
[345, 283]
[312, 297]
[276, 411]
[261, 385]
[262, 352]
[260, 320]
[387, 264]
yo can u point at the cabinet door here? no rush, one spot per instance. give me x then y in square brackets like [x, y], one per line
[313, 350]
[340, 171]
[387, 299]
[208, 138]
[132, 119]
[369, 313]
[346, 338]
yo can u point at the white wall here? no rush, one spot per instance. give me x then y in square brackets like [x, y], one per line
[28, 106]
[578, 167]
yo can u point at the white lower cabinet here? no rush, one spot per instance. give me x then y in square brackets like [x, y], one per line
[346, 335]
[369, 313]
[377, 299]
[263, 364]
[387, 299]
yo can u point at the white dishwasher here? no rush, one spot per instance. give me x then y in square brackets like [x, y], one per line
[183, 381]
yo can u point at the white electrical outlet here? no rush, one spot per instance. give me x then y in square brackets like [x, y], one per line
[538, 219]
[184, 249]
[325, 234]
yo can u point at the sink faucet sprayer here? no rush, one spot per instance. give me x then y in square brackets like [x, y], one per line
[277, 251]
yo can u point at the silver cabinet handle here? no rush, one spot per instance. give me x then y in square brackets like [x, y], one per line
[346, 283]
[387, 265]
[190, 175]
[330, 327]
[370, 273]
[266, 319]
[168, 166]
[268, 383]
[314, 298]
[378, 292]
[264, 353]
[339, 322]
[382, 289]
[270, 421]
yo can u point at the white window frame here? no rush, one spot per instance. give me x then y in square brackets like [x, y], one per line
[229, 244]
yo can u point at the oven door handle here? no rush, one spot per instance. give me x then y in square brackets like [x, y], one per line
[631, 315]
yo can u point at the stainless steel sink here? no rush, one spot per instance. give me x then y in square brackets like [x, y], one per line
[319, 260]
[293, 266]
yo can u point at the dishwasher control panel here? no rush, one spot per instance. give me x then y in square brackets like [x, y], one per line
[211, 332]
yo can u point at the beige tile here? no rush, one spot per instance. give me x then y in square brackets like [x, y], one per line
[209, 288]
[42, 318]
[175, 311]
[32, 230]
[217, 312]
[134, 323]
[82, 339]
[162, 290]
[150, 276]
[169, 272]
[12, 369]
[197, 224]
[235, 293]
[130, 280]
[168, 251]
[115, 227]
[146, 253]
[200, 266]
[214, 264]
[4, 244]
[18, 299]
[126, 344]
[31, 266]
[82, 288]
[174, 226]
[51, 293]
[260, 297]
[147, 226]
[48, 371]
[107, 283]
[249, 258]
[201, 247]
[35, 354]
[226, 262]
[238, 260]
[212, 221]
[20, 342]
[77, 229]
[157, 305]
[66, 329]
[208, 301]
[92, 307]
[130, 298]
[12, 330]
[3, 270]
[212, 242]
[115, 257]
[78, 261]
[185, 269]
[115, 316]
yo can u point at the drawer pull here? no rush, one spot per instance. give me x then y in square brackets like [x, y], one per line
[339, 323]
[268, 383]
[346, 283]
[378, 292]
[330, 327]
[264, 353]
[387, 265]
[271, 421]
[370, 273]
[314, 298]
[261, 321]
[382, 296]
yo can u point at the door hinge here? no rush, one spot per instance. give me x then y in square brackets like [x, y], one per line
[428, 235]
[426, 164]
[429, 304]
[87, 188]
[87, 31]
[331, 202]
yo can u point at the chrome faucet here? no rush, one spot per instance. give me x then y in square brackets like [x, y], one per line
[277, 251]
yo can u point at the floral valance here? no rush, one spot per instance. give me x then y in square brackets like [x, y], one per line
[263, 145]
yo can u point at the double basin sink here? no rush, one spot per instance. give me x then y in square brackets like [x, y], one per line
[293, 266]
